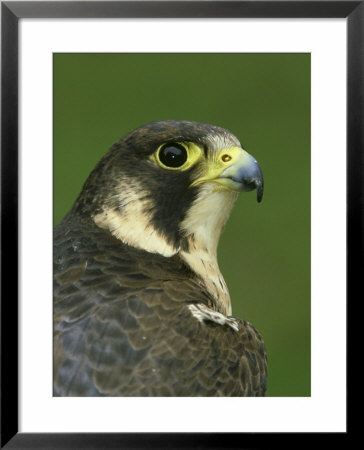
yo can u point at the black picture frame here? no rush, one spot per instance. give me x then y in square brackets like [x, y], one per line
[11, 12]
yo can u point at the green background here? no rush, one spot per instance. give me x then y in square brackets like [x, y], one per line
[264, 99]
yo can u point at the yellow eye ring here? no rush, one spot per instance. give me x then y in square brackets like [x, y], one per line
[177, 155]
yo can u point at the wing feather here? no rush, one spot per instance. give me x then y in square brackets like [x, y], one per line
[122, 326]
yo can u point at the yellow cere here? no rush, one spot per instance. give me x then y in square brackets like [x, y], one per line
[221, 160]
[210, 168]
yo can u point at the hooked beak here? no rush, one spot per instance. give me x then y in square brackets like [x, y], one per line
[243, 175]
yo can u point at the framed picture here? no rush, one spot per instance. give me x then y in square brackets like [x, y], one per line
[259, 69]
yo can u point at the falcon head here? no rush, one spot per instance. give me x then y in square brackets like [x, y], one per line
[169, 186]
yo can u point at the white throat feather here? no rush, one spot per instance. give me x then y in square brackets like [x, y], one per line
[202, 228]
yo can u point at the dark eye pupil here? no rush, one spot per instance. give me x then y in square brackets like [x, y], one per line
[173, 155]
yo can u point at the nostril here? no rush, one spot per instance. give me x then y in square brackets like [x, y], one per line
[226, 158]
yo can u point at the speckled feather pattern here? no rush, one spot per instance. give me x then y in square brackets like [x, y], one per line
[123, 326]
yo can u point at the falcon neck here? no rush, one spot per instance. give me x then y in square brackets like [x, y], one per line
[202, 228]
[205, 266]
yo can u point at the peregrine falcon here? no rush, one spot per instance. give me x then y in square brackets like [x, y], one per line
[140, 305]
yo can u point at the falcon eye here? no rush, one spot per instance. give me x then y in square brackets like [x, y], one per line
[172, 155]
[177, 155]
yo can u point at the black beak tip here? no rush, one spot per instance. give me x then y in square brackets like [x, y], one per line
[259, 193]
